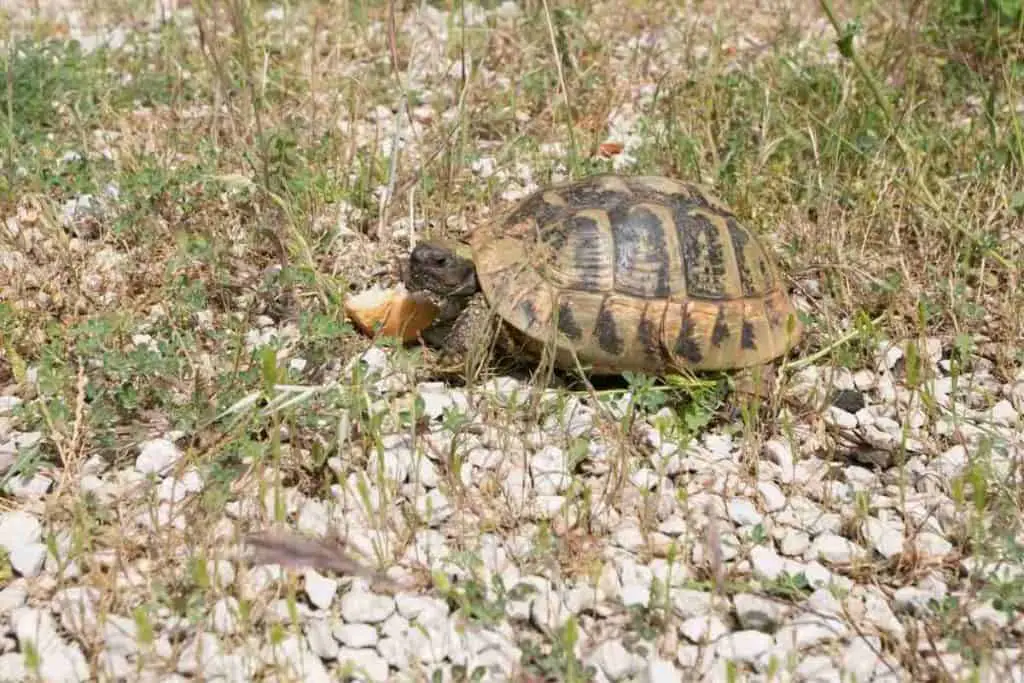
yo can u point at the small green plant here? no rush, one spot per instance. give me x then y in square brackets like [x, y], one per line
[556, 659]
[471, 599]
[789, 586]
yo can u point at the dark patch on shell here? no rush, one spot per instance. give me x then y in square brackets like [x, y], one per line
[648, 335]
[555, 237]
[747, 340]
[720, 332]
[686, 345]
[567, 324]
[607, 331]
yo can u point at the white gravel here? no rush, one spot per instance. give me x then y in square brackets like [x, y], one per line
[787, 521]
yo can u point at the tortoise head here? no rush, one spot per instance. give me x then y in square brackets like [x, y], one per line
[442, 268]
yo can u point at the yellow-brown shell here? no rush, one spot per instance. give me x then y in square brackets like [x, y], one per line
[644, 274]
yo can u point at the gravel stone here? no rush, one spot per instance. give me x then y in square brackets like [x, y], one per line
[13, 596]
[411, 606]
[259, 579]
[321, 640]
[817, 669]
[434, 507]
[28, 559]
[224, 617]
[357, 636]
[743, 512]
[199, 653]
[661, 671]
[810, 631]
[911, 600]
[177, 490]
[876, 611]
[320, 589]
[436, 399]
[547, 610]
[952, 462]
[58, 661]
[743, 646]
[12, 667]
[635, 595]
[394, 626]
[781, 454]
[76, 607]
[645, 479]
[932, 546]
[834, 549]
[756, 613]
[235, 667]
[986, 616]
[32, 487]
[299, 662]
[398, 651]
[837, 417]
[364, 661]
[860, 659]
[120, 636]
[629, 537]
[19, 529]
[615, 661]
[885, 538]
[767, 564]
[157, 457]
[494, 662]
[773, 497]
[1003, 413]
[822, 601]
[549, 471]
[361, 607]
[703, 630]
[794, 543]
[688, 603]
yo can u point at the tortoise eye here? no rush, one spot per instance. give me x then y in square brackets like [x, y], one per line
[441, 260]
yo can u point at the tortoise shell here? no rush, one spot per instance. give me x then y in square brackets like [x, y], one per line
[643, 274]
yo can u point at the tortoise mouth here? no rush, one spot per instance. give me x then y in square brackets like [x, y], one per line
[440, 270]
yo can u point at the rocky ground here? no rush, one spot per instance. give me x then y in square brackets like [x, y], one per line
[863, 525]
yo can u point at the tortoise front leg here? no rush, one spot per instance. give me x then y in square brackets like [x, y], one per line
[471, 338]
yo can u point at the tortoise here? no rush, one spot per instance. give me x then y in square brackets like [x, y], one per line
[621, 273]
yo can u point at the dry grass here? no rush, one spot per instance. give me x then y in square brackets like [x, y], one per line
[249, 152]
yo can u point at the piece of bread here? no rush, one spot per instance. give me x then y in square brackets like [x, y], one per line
[390, 312]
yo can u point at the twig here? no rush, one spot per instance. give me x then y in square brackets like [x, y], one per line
[821, 353]
[561, 80]
[292, 550]
[385, 198]
[845, 45]
[412, 218]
